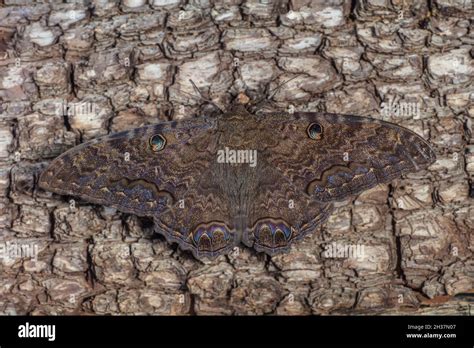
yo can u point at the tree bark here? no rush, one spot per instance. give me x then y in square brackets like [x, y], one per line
[71, 72]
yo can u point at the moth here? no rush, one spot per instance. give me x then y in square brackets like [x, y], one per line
[264, 180]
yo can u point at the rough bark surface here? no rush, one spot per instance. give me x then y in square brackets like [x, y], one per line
[111, 65]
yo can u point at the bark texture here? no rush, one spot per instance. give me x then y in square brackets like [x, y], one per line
[114, 65]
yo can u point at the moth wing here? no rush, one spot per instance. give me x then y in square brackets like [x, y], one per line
[124, 171]
[347, 155]
[351, 154]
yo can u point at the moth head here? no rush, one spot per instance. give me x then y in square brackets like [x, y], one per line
[157, 142]
[315, 131]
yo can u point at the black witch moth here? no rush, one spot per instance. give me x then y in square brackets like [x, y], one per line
[265, 180]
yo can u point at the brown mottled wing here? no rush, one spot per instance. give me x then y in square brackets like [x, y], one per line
[281, 212]
[351, 154]
[123, 171]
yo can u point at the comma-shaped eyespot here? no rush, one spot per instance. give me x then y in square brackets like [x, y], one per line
[315, 131]
[157, 142]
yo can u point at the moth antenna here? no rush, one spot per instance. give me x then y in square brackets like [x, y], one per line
[202, 97]
[239, 72]
[281, 85]
[272, 93]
